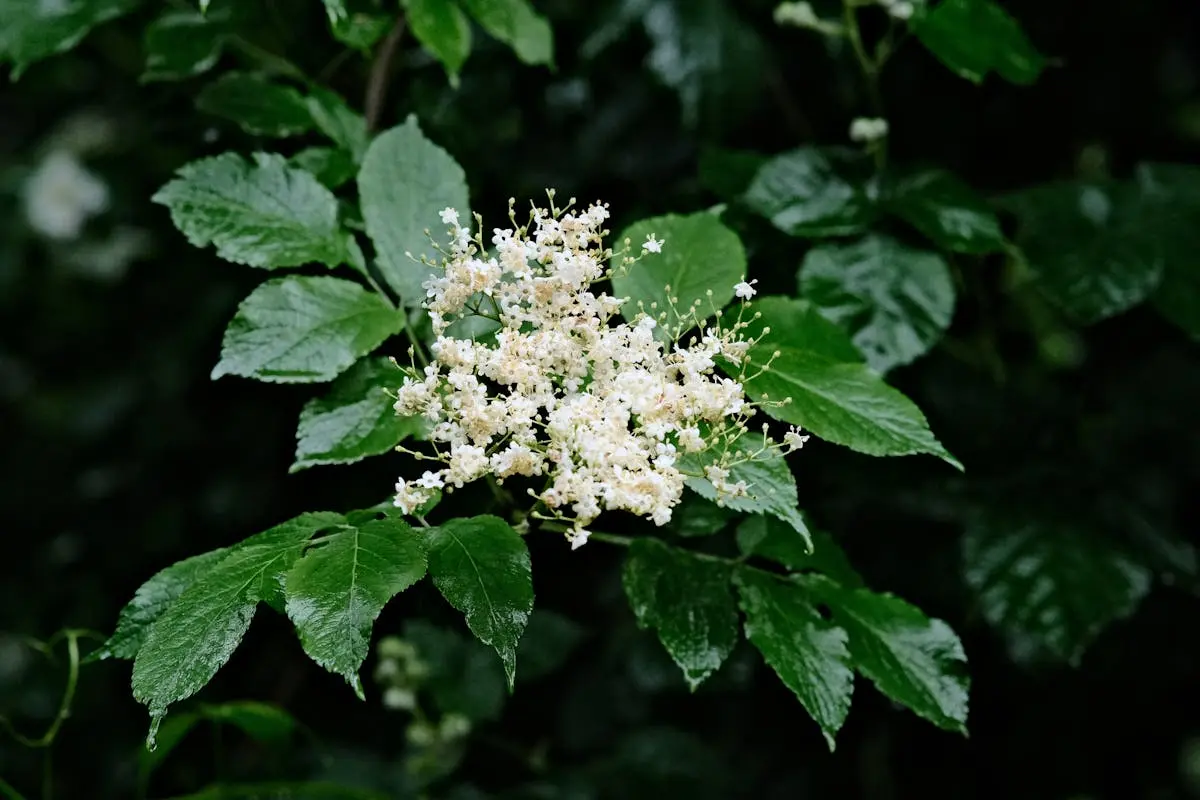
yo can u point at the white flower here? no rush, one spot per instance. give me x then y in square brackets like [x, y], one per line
[61, 195]
[793, 440]
[601, 409]
[898, 9]
[745, 290]
[449, 217]
[868, 130]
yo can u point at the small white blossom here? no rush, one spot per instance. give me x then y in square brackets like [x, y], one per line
[652, 245]
[449, 217]
[61, 195]
[868, 130]
[898, 9]
[793, 440]
[745, 290]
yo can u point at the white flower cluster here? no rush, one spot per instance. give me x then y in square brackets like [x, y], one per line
[868, 130]
[600, 412]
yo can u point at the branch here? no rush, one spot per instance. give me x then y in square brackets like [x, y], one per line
[381, 67]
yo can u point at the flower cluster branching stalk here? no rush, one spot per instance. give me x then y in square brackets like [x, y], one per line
[600, 410]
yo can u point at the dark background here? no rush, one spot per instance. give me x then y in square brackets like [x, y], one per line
[120, 455]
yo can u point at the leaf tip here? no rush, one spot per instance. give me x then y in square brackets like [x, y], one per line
[356, 684]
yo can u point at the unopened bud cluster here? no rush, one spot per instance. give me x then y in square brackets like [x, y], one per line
[596, 410]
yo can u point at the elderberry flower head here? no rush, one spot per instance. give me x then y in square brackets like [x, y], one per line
[599, 412]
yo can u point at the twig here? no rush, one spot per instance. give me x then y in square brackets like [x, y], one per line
[381, 66]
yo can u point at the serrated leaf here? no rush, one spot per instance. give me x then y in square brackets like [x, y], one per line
[771, 487]
[405, 181]
[1091, 247]
[263, 214]
[336, 591]
[812, 193]
[699, 254]
[1171, 195]
[149, 602]
[1048, 585]
[182, 44]
[847, 404]
[699, 516]
[798, 323]
[688, 603]
[33, 30]
[444, 30]
[975, 37]
[304, 329]
[481, 566]
[706, 53]
[895, 301]
[198, 632]
[947, 211]
[516, 24]
[344, 126]
[808, 653]
[355, 420]
[332, 166]
[916, 661]
[256, 104]
[770, 538]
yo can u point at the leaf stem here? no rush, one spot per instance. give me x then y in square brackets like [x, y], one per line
[870, 67]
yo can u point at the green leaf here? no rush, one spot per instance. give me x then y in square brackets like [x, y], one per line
[808, 653]
[332, 166]
[798, 323]
[1171, 195]
[1048, 584]
[182, 44]
[1092, 247]
[336, 591]
[516, 24]
[303, 329]
[710, 57]
[772, 488]
[698, 516]
[728, 173]
[974, 37]
[343, 125]
[198, 632]
[33, 30]
[263, 214]
[362, 31]
[257, 104]
[170, 735]
[916, 661]
[444, 30]
[769, 538]
[150, 601]
[894, 300]
[947, 211]
[260, 721]
[812, 193]
[355, 420]
[687, 601]
[548, 640]
[481, 566]
[462, 675]
[405, 181]
[699, 255]
[846, 404]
